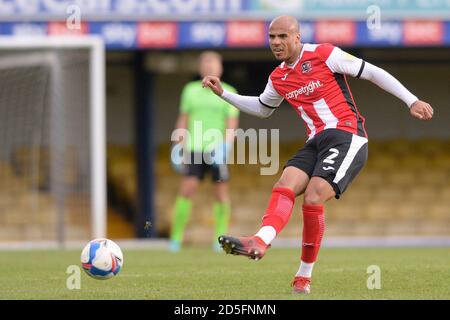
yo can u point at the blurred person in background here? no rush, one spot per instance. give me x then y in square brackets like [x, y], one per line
[311, 77]
[201, 111]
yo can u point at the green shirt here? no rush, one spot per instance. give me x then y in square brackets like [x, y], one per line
[207, 115]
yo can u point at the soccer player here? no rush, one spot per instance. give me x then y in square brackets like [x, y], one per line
[202, 112]
[311, 77]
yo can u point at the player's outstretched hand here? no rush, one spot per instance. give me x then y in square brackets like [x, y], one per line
[421, 110]
[213, 83]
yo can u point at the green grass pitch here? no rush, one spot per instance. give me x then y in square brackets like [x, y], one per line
[199, 273]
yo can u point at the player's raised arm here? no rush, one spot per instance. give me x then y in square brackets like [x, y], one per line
[343, 62]
[248, 104]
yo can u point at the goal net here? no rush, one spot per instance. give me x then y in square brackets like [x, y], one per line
[52, 139]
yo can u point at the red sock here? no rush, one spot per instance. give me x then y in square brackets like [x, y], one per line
[313, 228]
[279, 209]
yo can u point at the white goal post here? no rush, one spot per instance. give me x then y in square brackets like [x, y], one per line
[44, 51]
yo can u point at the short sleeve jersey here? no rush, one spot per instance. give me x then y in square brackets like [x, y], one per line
[316, 86]
[207, 115]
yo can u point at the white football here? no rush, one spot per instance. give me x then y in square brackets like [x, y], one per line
[102, 259]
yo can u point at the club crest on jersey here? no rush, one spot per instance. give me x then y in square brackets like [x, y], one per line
[306, 67]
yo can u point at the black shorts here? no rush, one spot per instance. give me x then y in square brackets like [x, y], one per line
[333, 154]
[198, 168]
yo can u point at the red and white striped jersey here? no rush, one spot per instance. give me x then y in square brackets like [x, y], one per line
[315, 85]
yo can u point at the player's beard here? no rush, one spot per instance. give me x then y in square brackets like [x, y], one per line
[280, 55]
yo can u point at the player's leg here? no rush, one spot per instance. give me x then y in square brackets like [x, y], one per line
[183, 204]
[222, 211]
[341, 157]
[317, 193]
[222, 208]
[182, 210]
[292, 183]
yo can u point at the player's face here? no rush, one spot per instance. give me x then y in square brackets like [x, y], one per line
[210, 65]
[284, 43]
